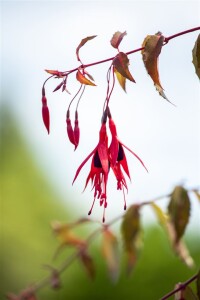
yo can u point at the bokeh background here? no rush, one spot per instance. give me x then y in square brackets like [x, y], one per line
[37, 169]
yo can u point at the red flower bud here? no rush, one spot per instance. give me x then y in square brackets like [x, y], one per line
[76, 131]
[70, 131]
[45, 113]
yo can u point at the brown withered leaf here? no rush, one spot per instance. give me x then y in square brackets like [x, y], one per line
[82, 43]
[186, 293]
[179, 211]
[117, 38]
[111, 253]
[131, 230]
[88, 263]
[183, 253]
[198, 285]
[196, 56]
[152, 48]
[121, 79]
[83, 80]
[121, 63]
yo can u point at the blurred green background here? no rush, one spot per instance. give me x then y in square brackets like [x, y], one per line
[30, 204]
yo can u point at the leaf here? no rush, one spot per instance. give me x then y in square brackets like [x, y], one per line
[67, 237]
[197, 194]
[162, 217]
[117, 38]
[121, 63]
[88, 263]
[196, 56]
[83, 80]
[179, 211]
[121, 79]
[186, 293]
[58, 87]
[54, 72]
[111, 253]
[131, 229]
[152, 48]
[198, 285]
[183, 253]
[82, 43]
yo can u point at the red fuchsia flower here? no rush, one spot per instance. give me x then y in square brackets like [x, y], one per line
[117, 158]
[45, 111]
[99, 169]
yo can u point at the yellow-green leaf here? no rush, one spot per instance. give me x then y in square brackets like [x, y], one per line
[196, 56]
[198, 285]
[179, 211]
[131, 230]
[111, 253]
[88, 263]
[152, 48]
[117, 38]
[83, 80]
[162, 217]
[82, 43]
[121, 63]
[121, 79]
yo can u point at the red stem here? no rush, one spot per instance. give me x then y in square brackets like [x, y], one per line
[167, 39]
[181, 287]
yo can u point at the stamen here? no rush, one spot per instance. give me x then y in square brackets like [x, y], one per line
[90, 211]
[124, 199]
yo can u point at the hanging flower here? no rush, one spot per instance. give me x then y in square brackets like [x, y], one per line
[99, 169]
[117, 158]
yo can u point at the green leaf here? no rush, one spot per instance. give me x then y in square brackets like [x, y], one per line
[131, 230]
[121, 63]
[111, 253]
[179, 211]
[196, 56]
[198, 285]
[117, 38]
[82, 43]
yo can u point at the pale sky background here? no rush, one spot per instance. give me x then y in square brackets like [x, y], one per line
[38, 35]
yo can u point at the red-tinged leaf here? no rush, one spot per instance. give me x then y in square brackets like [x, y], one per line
[121, 63]
[54, 277]
[131, 230]
[82, 43]
[152, 48]
[46, 117]
[117, 38]
[111, 253]
[88, 263]
[58, 87]
[121, 79]
[198, 285]
[54, 72]
[196, 56]
[179, 211]
[186, 293]
[83, 80]
[89, 75]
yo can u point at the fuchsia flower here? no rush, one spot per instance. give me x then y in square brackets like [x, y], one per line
[104, 158]
[117, 158]
[99, 170]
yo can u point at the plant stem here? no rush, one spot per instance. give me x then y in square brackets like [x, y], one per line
[181, 287]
